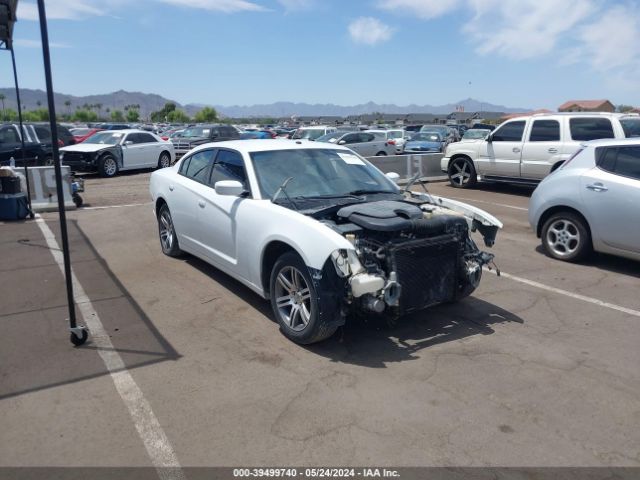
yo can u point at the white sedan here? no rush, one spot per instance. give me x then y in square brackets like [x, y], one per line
[319, 231]
[110, 151]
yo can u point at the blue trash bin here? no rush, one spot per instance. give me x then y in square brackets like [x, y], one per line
[13, 206]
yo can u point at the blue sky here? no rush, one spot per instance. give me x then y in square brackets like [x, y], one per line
[519, 53]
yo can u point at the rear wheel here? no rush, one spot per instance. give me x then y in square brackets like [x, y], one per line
[294, 301]
[164, 161]
[565, 236]
[381, 154]
[462, 173]
[107, 166]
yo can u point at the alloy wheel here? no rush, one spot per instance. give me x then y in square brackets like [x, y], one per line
[461, 172]
[166, 230]
[293, 298]
[110, 166]
[563, 237]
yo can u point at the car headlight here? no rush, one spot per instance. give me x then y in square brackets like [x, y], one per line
[346, 262]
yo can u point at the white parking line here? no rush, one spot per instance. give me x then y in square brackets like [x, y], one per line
[149, 429]
[488, 203]
[116, 206]
[566, 293]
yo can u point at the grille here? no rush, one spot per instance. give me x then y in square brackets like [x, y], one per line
[74, 157]
[427, 271]
[182, 145]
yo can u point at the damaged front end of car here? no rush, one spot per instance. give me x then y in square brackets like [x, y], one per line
[409, 254]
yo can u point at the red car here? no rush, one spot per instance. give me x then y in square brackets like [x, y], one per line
[81, 134]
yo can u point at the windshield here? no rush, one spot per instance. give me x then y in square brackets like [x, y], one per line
[196, 132]
[330, 137]
[426, 137]
[105, 138]
[475, 133]
[308, 133]
[631, 127]
[318, 172]
[434, 128]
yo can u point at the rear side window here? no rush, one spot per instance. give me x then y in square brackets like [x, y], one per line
[228, 166]
[545, 131]
[197, 166]
[509, 132]
[624, 161]
[590, 128]
[631, 127]
[9, 135]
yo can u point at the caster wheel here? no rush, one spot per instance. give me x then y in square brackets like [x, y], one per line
[77, 199]
[79, 341]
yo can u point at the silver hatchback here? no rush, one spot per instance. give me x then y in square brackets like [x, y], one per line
[591, 203]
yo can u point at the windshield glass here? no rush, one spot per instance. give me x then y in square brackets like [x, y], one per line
[196, 132]
[318, 172]
[105, 138]
[475, 133]
[631, 127]
[435, 128]
[308, 133]
[330, 137]
[426, 137]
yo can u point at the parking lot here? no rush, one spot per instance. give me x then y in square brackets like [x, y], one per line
[539, 367]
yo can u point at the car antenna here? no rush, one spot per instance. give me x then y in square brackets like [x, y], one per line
[283, 188]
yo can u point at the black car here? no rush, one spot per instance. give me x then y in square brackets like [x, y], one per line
[201, 134]
[35, 153]
[43, 131]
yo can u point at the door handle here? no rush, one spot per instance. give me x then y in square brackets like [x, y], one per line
[553, 150]
[516, 150]
[201, 203]
[597, 187]
[171, 187]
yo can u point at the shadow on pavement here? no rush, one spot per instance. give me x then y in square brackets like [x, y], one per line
[604, 261]
[35, 351]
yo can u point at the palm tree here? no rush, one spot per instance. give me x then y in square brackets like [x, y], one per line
[67, 104]
[2, 97]
[99, 108]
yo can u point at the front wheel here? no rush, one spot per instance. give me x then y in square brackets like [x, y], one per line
[107, 166]
[167, 233]
[381, 154]
[462, 173]
[294, 301]
[565, 236]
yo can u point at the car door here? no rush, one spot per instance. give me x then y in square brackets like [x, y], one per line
[349, 140]
[183, 197]
[541, 149]
[216, 217]
[501, 154]
[611, 196]
[10, 146]
[149, 149]
[362, 144]
[132, 153]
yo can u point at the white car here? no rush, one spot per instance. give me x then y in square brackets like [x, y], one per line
[110, 151]
[396, 137]
[312, 133]
[319, 231]
[591, 203]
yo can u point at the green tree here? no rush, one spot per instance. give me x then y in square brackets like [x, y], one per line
[39, 115]
[133, 115]
[117, 116]
[10, 114]
[67, 103]
[207, 114]
[623, 108]
[162, 115]
[177, 116]
[85, 116]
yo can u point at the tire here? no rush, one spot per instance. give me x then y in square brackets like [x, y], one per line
[48, 161]
[167, 233]
[466, 288]
[462, 173]
[164, 161]
[77, 199]
[294, 301]
[565, 236]
[381, 154]
[107, 166]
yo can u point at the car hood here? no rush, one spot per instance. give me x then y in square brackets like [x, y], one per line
[86, 147]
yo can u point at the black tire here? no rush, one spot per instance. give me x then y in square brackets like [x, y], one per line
[77, 199]
[48, 161]
[167, 233]
[77, 341]
[381, 154]
[107, 166]
[165, 160]
[462, 173]
[565, 236]
[303, 324]
[466, 288]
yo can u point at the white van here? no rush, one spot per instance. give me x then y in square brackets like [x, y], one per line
[526, 149]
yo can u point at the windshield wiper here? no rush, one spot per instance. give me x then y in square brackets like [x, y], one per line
[367, 192]
[330, 196]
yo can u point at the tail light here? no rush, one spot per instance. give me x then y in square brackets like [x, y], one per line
[60, 143]
[391, 142]
[165, 138]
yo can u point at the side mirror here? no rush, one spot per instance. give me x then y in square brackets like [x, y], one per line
[342, 142]
[393, 176]
[128, 142]
[489, 138]
[231, 188]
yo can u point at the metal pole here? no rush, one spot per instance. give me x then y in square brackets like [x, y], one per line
[58, 171]
[24, 162]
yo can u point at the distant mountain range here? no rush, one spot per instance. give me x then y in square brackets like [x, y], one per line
[149, 102]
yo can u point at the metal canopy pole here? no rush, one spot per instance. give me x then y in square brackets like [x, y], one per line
[79, 334]
[24, 162]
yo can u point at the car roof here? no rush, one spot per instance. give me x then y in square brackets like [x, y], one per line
[609, 142]
[260, 145]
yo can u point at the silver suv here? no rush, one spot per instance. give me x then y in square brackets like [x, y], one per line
[526, 149]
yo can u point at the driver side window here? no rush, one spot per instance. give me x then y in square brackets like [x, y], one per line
[509, 132]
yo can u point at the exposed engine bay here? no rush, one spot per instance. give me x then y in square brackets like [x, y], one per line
[409, 252]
